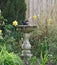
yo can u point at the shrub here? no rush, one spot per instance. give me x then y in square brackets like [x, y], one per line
[13, 10]
[39, 61]
[9, 58]
[12, 39]
[45, 38]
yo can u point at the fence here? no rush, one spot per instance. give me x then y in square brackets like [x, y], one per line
[42, 8]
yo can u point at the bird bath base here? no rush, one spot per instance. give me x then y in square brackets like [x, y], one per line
[26, 46]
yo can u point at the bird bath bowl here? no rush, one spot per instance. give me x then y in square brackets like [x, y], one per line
[25, 28]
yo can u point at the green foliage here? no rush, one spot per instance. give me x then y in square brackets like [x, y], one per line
[9, 58]
[13, 10]
[39, 61]
[45, 58]
[53, 59]
[1, 17]
[11, 31]
[39, 46]
[33, 61]
[45, 38]
[11, 39]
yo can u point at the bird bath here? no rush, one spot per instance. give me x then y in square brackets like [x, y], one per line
[26, 46]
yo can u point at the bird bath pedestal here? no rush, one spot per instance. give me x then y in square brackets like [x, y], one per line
[26, 46]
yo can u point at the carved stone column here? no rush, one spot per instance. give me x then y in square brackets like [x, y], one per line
[26, 46]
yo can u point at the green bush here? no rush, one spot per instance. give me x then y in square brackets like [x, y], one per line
[38, 44]
[9, 58]
[12, 39]
[13, 10]
[45, 38]
[39, 61]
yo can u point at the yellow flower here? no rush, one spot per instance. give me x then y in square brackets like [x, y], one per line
[0, 31]
[15, 23]
[34, 17]
[49, 21]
